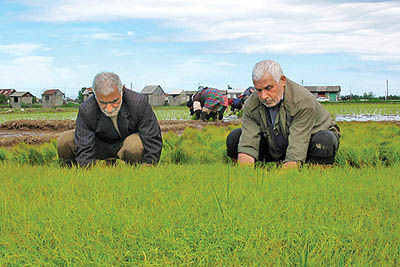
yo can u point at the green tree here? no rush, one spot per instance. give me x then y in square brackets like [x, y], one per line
[3, 99]
[80, 94]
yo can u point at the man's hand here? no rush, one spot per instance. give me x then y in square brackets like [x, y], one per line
[245, 159]
[290, 165]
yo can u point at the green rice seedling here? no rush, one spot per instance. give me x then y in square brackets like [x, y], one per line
[3, 155]
[32, 155]
[172, 215]
[173, 151]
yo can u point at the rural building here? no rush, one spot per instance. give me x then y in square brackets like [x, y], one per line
[88, 92]
[177, 97]
[329, 92]
[189, 94]
[52, 98]
[6, 95]
[155, 94]
[234, 93]
[20, 99]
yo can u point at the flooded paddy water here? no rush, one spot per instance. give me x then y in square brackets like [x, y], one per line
[368, 118]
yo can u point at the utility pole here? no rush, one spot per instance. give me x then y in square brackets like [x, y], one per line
[131, 86]
[350, 92]
[301, 82]
[387, 89]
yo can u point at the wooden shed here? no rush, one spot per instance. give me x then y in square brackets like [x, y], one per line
[177, 97]
[52, 98]
[20, 99]
[330, 92]
[155, 94]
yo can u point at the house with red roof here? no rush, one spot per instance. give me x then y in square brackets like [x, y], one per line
[5, 95]
[52, 98]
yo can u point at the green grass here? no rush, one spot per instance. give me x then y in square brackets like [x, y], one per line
[192, 215]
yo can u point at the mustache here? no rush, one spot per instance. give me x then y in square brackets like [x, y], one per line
[268, 100]
[112, 112]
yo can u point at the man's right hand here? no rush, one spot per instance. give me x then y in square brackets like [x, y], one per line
[245, 159]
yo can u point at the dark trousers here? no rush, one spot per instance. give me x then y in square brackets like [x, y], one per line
[322, 149]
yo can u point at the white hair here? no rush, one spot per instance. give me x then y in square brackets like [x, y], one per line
[267, 66]
[105, 82]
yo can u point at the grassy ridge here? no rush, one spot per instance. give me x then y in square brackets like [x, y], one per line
[212, 214]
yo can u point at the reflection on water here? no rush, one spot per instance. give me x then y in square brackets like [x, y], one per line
[20, 133]
[368, 118]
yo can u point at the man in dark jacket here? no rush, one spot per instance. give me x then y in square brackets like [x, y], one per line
[114, 123]
[283, 121]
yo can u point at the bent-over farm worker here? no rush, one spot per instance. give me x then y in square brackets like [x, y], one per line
[282, 121]
[114, 123]
[207, 100]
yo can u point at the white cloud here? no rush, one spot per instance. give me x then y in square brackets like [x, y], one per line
[119, 53]
[20, 49]
[367, 29]
[36, 73]
[107, 36]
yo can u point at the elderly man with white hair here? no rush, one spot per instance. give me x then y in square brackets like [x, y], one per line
[282, 121]
[114, 123]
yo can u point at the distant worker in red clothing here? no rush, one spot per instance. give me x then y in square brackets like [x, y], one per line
[206, 103]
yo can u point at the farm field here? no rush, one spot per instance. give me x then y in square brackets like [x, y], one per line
[196, 208]
[162, 113]
[182, 113]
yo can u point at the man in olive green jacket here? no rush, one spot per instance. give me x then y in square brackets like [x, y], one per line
[282, 121]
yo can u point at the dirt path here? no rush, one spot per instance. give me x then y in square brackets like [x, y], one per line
[42, 131]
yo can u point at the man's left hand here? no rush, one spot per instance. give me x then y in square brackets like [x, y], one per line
[290, 165]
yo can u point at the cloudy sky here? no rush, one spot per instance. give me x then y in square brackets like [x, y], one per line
[181, 44]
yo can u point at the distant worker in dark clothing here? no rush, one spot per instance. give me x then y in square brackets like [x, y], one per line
[283, 121]
[114, 123]
[237, 103]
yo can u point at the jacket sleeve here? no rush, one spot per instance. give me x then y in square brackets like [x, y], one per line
[150, 134]
[300, 132]
[84, 141]
[249, 141]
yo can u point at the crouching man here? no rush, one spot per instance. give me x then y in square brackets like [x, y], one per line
[114, 123]
[283, 121]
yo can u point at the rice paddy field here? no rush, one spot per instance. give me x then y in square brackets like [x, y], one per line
[182, 113]
[162, 113]
[198, 209]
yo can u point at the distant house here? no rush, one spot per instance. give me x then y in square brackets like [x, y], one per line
[155, 94]
[328, 92]
[6, 93]
[52, 98]
[88, 92]
[189, 94]
[177, 97]
[234, 93]
[19, 99]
